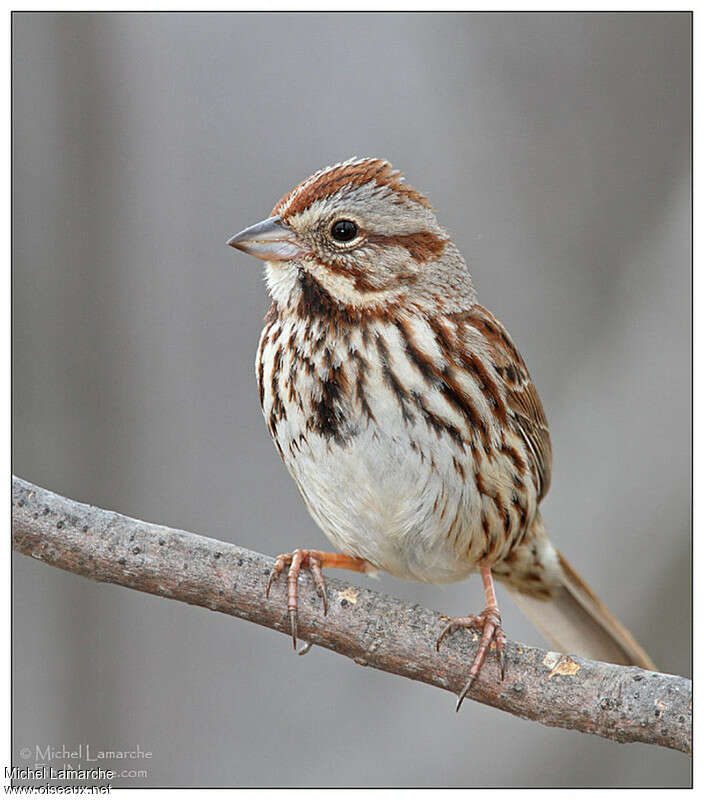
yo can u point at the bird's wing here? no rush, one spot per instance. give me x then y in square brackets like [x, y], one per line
[522, 400]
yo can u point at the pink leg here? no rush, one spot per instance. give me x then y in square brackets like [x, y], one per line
[489, 624]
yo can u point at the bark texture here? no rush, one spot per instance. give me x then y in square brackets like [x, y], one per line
[626, 704]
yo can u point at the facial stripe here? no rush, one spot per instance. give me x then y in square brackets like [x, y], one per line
[358, 275]
[422, 246]
[315, 303]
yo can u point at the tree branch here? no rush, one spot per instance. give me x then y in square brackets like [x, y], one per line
[626, 704]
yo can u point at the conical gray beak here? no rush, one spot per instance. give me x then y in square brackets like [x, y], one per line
[271, 240]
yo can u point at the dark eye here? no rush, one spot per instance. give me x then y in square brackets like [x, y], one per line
[344, 230]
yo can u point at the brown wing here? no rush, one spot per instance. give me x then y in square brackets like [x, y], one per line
[522, 399]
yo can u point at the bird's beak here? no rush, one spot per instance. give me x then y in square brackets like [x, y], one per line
[271, 240]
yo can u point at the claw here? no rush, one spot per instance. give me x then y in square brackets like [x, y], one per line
[463, 693]
[293, 617]
[273, 575]
[443, 634]
[272, 578]
[316, 571]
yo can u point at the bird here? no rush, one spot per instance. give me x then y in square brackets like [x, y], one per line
[405, 413]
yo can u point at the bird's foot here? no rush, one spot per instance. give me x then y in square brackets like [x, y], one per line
[311, 560]
[488, 624]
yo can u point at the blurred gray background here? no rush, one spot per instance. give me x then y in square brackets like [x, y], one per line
[555, 148]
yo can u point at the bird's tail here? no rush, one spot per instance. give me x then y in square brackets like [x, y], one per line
[564, 608]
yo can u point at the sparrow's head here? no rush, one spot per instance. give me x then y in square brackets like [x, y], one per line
[363, 237]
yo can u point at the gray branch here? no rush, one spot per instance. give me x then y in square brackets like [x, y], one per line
[626, 704]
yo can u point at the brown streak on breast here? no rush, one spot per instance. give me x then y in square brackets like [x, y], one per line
[487, 385]
[495, 498]
[479, 482]
[423, 362]
[515, 457]
[453, 393]
[443, 339]
[437, 423]
[327, 415]
[360, 384]
[278, 409]
[316, 303]
[455, 528]
[260, 366]
[487, 537]
[504, 511]
[391, 379]
[292, 348]
[443, 379]
[520, 509]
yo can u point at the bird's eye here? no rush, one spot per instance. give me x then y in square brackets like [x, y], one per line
[344, 230]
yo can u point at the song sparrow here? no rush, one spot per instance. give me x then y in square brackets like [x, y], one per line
[405, 413]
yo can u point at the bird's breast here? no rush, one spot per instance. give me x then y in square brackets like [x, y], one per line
[396, 463]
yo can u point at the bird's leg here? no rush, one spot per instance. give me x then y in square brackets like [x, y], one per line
[315, 561]
[489, 624]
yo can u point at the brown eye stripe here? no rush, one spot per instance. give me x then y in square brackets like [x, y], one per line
[422, 246]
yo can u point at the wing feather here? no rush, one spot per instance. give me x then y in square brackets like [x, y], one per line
[522, 400]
